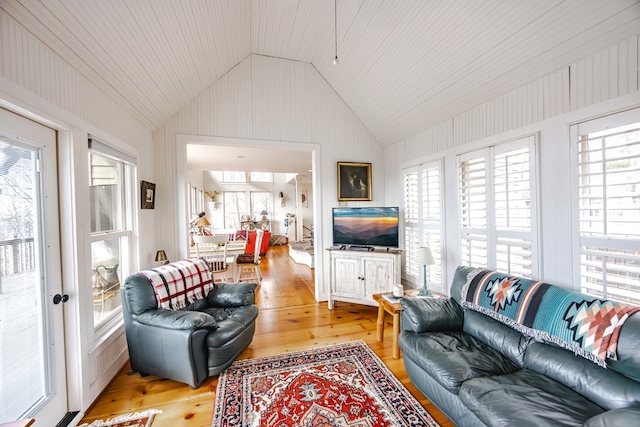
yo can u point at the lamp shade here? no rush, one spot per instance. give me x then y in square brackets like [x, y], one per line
[202, 222]
[161, 256]
[195, 218]
[424, 256]
[264, 212]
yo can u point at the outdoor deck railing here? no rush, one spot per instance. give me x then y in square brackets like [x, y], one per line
[16, 256]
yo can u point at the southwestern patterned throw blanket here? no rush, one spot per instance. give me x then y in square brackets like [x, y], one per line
[586, 325]
[180, 283]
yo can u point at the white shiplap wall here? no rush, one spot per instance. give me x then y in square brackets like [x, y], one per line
[605, 75]
[36, 79]
[31, 64]
[271, 99]
[547, 105]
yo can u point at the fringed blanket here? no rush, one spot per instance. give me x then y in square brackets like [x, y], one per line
[587, 326]
[180, 283]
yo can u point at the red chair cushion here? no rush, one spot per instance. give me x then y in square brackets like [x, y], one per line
[264, 247]
[251, 242]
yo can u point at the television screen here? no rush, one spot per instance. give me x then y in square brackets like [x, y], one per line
[365, 226]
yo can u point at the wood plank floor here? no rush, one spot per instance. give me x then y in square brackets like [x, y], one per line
[290, 320]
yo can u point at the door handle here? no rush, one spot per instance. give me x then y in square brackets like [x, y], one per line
[57, 298]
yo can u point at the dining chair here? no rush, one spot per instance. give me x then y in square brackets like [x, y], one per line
[248, 265]
[213, 249]
[231, 232]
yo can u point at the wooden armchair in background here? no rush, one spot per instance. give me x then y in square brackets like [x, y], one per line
[249, 263]
[213, 249]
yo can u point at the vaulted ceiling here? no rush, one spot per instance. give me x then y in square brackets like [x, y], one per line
[404, 65]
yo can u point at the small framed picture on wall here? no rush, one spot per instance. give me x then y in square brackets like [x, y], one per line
[147, 195]
[354, 181]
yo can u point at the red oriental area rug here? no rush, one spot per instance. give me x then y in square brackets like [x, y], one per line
[346, 385]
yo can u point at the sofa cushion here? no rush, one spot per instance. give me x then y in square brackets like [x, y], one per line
[616, 418]
[431, 314]
[604, 387]
[525, 398]
[460, 278]
[231, 323]
[453, 357]
[232, 295]
[497, 335]
[628, 363]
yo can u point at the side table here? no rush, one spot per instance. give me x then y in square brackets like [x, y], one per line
[389, 304]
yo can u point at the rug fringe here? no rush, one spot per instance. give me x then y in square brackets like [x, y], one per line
[121, 418]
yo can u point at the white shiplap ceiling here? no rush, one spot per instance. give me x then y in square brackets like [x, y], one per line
[404, 65]
[250, 159]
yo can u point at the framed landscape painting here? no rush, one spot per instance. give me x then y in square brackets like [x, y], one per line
[354, 181]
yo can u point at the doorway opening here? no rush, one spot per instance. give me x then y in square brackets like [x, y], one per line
[230, 153]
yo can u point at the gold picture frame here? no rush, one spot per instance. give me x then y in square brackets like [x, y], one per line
[354, 181]
[147, 195]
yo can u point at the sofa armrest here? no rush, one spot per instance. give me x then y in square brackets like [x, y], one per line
[616, 418]
[178, 319]
[232, 295]
[431, 315]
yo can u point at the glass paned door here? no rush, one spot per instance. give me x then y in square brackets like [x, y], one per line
[32, 368]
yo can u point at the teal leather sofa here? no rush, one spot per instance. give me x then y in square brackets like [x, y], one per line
[479, 371]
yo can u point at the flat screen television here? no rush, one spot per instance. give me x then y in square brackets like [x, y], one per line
[365, 226]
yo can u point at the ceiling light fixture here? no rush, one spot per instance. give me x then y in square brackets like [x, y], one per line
[335, 28]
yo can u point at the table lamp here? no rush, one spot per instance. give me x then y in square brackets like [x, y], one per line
[201, 223]
[264, 214]
[161, 257]
[424, 258]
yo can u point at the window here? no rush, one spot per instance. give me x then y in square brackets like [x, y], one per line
[497, 205]
[235, 209]
[234, 177]
[423, 222]
[196, 200]
[231, 177]
[111, 190]
[260, 203]
[608, 209]
[261, 177]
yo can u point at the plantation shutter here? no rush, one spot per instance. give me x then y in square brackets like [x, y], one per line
[497, 204]
[512, 201]
[411, 221]
[473, 209]
[423, 219]
[609, 210]
[432, 219]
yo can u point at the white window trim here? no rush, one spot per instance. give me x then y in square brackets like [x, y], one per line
[129, 203]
